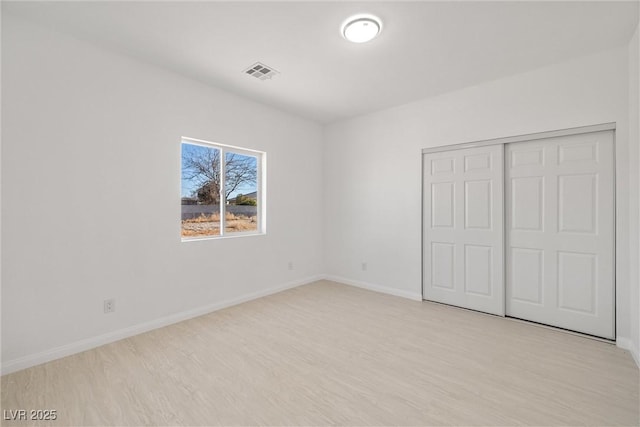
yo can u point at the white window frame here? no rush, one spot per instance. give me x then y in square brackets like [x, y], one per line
[261, 196]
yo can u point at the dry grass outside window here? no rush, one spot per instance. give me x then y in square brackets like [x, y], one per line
[209, 225]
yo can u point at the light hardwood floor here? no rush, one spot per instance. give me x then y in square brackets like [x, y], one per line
[327, 353]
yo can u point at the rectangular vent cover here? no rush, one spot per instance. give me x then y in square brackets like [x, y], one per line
[261, 71]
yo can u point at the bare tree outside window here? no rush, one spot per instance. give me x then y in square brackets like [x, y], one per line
[240, 172]
[201, 172]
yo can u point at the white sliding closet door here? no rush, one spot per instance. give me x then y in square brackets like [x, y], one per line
[463, 228]
[560, 232]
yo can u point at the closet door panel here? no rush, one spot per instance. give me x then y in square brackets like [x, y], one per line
[560, 232]
[463, 228]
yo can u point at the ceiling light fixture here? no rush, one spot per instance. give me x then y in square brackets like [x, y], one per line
[361, 28]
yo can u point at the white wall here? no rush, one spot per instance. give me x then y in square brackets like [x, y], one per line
[634, 169]
[373, 163]
[84, 124]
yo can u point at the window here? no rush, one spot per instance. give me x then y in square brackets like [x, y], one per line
[216, 204]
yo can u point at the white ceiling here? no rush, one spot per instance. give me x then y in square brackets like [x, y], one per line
[425, 49]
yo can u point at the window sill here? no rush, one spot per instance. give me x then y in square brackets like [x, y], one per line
[232, 236]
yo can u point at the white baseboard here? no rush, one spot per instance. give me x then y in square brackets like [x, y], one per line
[376, 288]
[93, 342]
[627, 344]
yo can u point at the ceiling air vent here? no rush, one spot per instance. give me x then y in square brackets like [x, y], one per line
[261, 71]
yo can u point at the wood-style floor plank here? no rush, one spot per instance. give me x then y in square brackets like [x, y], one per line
[330, 354]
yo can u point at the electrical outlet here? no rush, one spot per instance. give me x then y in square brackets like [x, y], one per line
[364, 266]
[290, 265]
[109, 305]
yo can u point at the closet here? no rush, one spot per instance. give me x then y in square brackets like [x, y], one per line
[524, 227]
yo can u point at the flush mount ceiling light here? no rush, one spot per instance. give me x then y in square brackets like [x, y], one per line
[361, 28]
